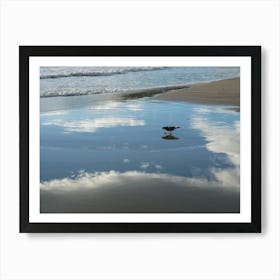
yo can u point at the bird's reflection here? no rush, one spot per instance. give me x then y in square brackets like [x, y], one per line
[169, 137]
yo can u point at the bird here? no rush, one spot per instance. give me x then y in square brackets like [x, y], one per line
[170, 128]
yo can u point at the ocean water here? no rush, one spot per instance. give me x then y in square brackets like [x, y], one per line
[61, 81]
[100, 153]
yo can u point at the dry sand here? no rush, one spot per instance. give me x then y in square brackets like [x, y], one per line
[224, 92]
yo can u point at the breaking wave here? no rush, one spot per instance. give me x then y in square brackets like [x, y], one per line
[76, 91]
[64, 72]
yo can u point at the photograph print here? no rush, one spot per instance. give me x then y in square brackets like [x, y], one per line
[139, 139]
[120, 136]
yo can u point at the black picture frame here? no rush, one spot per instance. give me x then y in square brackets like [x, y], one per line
[25, 52]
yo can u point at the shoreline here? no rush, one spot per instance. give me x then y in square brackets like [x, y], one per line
[131, 94]
[222, 92]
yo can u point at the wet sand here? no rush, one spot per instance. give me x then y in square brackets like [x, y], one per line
[124, 163]
[224, 92]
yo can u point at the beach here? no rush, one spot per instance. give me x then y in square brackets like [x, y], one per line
[103, 148]
[223, 92]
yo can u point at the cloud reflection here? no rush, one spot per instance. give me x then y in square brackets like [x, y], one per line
[115, 178]
[88, 125]
[116, 105]
[217, 110]
[144, 165]
[53, 113]
[223, 138]
[134, 191]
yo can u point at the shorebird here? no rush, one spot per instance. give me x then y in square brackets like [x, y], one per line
[170, 128]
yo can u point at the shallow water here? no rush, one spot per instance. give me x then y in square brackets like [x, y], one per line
[103, 154]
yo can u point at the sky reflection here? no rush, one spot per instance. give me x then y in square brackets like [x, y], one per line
[223, 138]
[93, 125]
[113, 105]
[134, 191]
[131, 167]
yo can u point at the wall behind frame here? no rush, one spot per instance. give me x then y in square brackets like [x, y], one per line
[139, 256]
